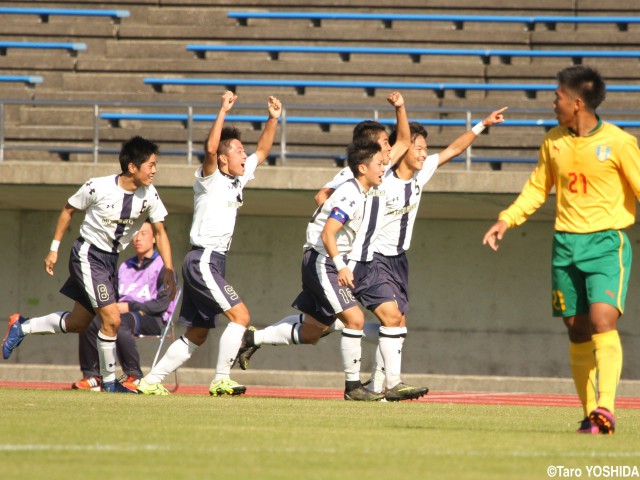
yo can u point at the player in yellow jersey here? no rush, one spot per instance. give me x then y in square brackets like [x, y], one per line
[595, 169]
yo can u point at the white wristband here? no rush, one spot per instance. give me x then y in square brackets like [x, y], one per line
[338, 262]
[478, 128]
[55, 244]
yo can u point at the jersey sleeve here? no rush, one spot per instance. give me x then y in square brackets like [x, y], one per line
[345, 202]
[157, 210]
[84, 197]
[534, 193]
[630, 164]
[250, 165]
[429, 168]
[341, 177]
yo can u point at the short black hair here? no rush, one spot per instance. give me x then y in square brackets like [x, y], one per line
[136, 150]
[585, 82]
[416, 130]
[367, 130]
[360, 153]
[227, 135]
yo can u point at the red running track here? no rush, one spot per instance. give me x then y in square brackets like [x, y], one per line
[469, 398]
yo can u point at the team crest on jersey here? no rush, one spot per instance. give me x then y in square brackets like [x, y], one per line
[603, 152]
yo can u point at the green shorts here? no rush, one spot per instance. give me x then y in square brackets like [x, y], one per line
[589, 268]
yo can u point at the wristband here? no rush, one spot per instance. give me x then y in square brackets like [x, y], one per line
[55, 244]
[338, 262]
[478, 128]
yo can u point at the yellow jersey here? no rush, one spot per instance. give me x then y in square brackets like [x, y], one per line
[596, 178]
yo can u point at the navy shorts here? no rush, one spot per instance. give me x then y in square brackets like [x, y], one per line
[384, 279]
[93, 276]
[206, 292]
[321, 297]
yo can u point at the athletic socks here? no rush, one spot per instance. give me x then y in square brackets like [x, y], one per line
[351, 348]
[176, 355]
[107, 356]
[583, 369]
[608, 353]
[283, 332]
[228, 350]
[47, 325]
[390, 346]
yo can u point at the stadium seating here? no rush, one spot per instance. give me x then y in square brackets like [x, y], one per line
[345, 52]
[29, 80]
[45, 13]
[72, 48]
[458, 21]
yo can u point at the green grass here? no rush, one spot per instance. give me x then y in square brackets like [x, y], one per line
[70, 434]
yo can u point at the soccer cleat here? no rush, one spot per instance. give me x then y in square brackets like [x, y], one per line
[115, 387]
[14, 335]
[604, 420]
[587, 427]
[88, 383]
[247, 349]
[131, 382]
[226, 386]
[362, 394]
[402, 391]
[146, 388]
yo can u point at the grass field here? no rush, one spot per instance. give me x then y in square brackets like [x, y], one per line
[69, 434]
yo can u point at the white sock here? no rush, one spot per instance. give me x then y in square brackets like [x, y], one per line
[391, 341]
[351, 348]
[47, 325]
[176, 355]
[283, 332]
[371, 332]
[228, 350]
[107, 356]
[377, 372]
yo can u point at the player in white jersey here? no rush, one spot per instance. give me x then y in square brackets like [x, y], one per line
[337, 228]
[115, 206]
[217, 197]
[384, 283]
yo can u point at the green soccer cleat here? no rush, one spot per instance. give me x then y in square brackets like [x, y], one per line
[146, 388]
[226, 386]
[362, 394]
[402, 391]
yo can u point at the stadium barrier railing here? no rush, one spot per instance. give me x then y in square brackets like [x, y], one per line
[45, 13]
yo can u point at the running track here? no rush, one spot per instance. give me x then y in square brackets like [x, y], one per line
[469, 398]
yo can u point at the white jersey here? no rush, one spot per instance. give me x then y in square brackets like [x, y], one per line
[403, 198]
[359, 211]
[216, 201]
[112, 214]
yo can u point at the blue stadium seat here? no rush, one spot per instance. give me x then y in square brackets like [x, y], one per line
[458, 20]
[345, 52]
[531, 89]
[29, 80]
[72, 48]
[44, 13]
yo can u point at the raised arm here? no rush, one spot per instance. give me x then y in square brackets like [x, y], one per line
[403, 135]
[463, 142]
[211, 145]
[268, 134]
[64, 220]
[164, 248]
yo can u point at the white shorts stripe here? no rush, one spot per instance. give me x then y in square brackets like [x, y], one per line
[210, 282]
[332, 296]
[87, 278]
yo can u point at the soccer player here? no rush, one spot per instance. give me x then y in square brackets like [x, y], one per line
[115, 206]
[219, 182]
[595, 169]
[144, 306]
[382, 285]
[341, 229]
